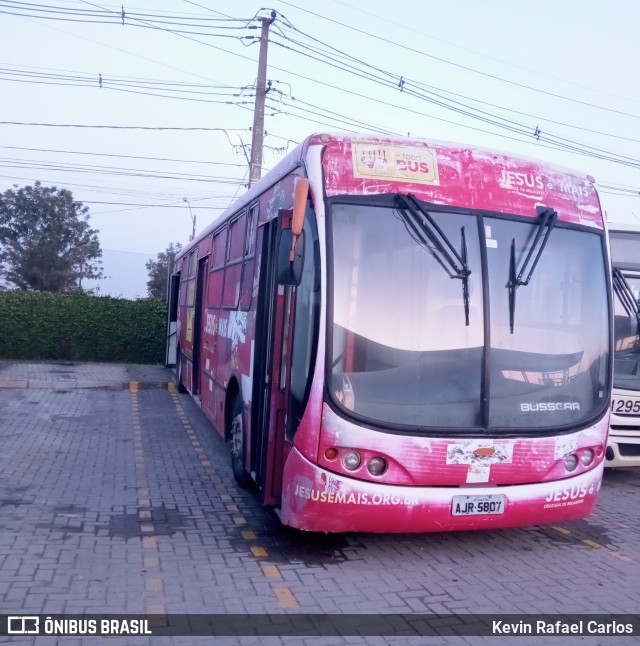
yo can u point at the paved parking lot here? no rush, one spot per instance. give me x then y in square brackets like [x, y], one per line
[121, 500]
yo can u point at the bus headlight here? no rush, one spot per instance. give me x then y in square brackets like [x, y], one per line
[377, 466]
[351, 460]
[571, 462]
[586, 457]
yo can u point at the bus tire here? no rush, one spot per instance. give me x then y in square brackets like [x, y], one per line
[179, 385]
[236, 441]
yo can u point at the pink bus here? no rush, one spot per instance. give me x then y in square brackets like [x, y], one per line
[399, 335]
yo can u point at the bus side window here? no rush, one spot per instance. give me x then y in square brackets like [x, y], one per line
[250, 238]
[246, 291]
[306, 322]
[182, 300]
[216, 274]
[218, 249]
[191, 284]
[236, 239]
[233, 269]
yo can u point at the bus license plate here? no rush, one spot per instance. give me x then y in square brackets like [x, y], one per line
[476, 505]
[625, 406]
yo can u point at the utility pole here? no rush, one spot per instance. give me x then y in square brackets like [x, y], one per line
[257, 137]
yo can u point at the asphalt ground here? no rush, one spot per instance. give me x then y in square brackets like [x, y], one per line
[116, 496]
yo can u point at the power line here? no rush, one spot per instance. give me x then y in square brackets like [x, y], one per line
[174, 86]
[105, 170]
[556, 142]
[465, 49]
[84, 152]
[111, 127]
[501, 122]
[447, 62]
[405, 87]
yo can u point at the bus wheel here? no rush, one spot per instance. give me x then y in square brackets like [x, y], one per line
[237, 445]
[179, 384]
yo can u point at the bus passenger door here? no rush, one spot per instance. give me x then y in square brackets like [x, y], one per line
[203, 266]
[270, 370]
[172, 321]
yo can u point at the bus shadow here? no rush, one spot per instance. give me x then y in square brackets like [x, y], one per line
[313, 549]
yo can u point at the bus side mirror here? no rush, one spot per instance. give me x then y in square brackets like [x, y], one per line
[289, 272]
[300, 196]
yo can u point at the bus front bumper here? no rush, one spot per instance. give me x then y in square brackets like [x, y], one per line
[623, 450]
[315, 499]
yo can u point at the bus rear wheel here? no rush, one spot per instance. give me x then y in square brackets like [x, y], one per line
[236, 437]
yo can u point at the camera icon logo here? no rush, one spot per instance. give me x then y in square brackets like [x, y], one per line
[23, 625]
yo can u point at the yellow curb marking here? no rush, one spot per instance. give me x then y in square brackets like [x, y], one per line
[156, 609]
[285, 597]
[133, 386]
[258, 551]
[562, 530]
[153, 585]
[149, 543]
[270, 570]
[591, 543]
[620, 556]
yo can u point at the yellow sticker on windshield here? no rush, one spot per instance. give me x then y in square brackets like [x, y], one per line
[377, 160]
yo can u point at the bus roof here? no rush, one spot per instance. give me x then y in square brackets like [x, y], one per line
[282, 168]
[439, 172]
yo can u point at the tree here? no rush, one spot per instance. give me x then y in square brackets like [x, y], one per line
[46, 243]
[160, 269]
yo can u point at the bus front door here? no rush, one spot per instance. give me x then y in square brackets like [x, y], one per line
[271, 367]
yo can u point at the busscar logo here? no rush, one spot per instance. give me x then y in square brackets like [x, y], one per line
[548, 406]
[23, 625]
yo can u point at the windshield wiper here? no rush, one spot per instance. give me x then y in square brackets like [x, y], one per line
[548, 218]
[425, 230]
[625, 294]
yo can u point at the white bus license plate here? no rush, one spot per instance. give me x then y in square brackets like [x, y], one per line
[476, 505]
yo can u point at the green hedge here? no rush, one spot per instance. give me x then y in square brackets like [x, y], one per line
[43, 326]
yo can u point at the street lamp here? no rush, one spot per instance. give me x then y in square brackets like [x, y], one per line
[193, 219]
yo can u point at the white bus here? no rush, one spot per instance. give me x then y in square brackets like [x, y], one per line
[623, 448]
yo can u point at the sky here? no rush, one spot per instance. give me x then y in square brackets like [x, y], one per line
[148, 123]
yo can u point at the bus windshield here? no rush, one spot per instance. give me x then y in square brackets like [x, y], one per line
[626, 331]
[417, 346]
